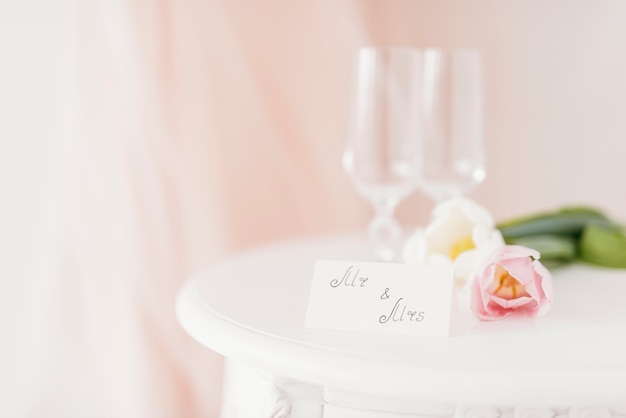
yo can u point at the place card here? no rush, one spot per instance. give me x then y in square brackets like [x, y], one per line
[381, 297]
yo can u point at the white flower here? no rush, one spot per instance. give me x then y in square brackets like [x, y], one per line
[461, 232]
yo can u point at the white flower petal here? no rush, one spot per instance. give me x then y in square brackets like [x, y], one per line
[495, 240]
[481, 235]
[465, 264]
[445, 207]
[453, 221]
[476, 214]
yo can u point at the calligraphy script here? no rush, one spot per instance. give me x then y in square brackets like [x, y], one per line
[399, 311]
[381, 297]
[350, 278]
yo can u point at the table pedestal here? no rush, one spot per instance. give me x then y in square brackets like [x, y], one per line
[250, 393]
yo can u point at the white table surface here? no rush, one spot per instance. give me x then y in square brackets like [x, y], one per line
[252, 309]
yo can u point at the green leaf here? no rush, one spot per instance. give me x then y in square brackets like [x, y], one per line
[553, 248]
[570, 221]
[604, 245]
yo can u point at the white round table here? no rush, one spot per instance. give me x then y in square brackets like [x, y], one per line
[251, 309]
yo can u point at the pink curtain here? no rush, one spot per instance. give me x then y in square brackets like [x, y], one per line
[195, 129]
[191, 130]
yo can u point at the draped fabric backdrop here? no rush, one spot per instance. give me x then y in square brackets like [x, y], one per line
[191, 130]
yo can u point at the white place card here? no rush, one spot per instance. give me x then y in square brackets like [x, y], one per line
[381, 297]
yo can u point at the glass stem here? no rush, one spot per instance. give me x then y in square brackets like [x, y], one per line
[384, 230]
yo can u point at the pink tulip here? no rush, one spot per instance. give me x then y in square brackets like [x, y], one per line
[511, 280]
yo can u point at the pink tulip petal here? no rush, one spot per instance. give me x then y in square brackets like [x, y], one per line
[519, 268]
[495, 312]
[507, 252]
[511, 303]
[532, 309]
[516, 260]
[484, 284]
[522, 270]
[546, 282]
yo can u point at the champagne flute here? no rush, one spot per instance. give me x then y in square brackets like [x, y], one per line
[382, 154]
[452, 122]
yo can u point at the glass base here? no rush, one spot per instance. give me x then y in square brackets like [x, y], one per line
[384, 231]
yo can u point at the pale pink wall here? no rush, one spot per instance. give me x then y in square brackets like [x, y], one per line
[555, 94]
